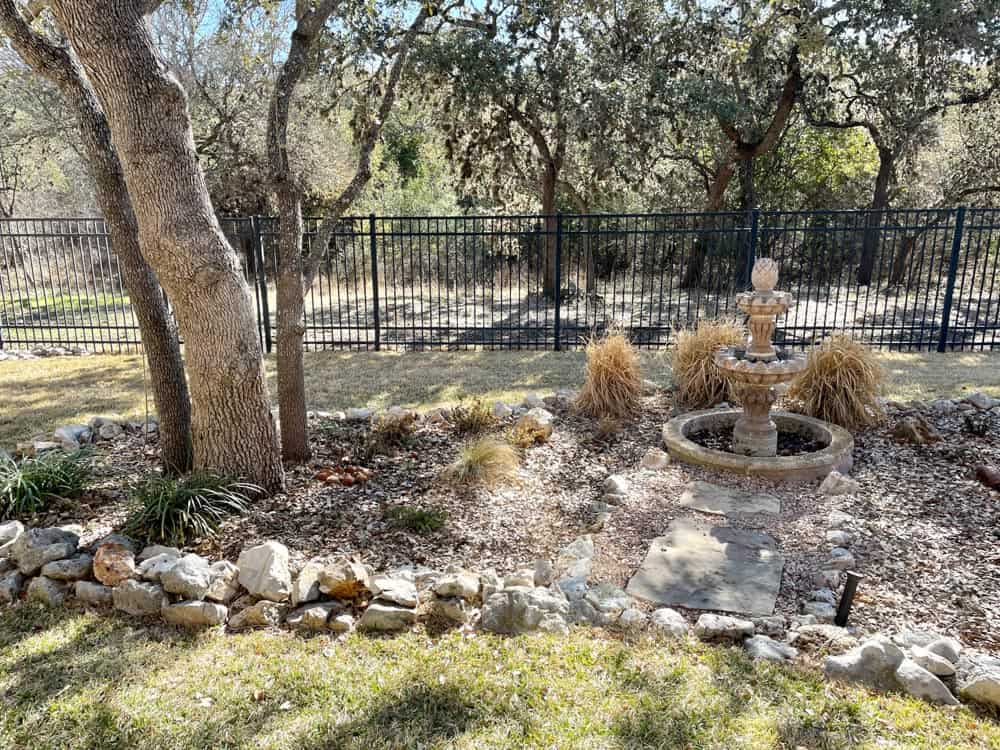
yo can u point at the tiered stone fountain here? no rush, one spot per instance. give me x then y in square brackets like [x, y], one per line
[756, 369]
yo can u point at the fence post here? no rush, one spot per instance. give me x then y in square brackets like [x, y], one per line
[265, 305]
[374, 253]
[558, 330]
[949, 292]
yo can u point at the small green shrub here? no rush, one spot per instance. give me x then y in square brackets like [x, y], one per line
[420, 520]
[474, 418]
[174, 511]
[30, 485]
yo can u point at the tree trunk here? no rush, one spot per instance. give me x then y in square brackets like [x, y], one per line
[291, 329]
[549, 177]
[157, 328]
[873, 221]
[695, 269]
[748, 202]
[146, 108]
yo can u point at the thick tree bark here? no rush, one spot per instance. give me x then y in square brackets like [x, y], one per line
[548, 189]
[159, 334]
[146, 108]
[873, 221]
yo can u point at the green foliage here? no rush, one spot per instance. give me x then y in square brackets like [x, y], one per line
[30, 485]
[420, 520]
[176, 511]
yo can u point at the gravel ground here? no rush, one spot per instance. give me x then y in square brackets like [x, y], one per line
[927, 536]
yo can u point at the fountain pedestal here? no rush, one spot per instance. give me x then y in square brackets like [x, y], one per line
[754, 433]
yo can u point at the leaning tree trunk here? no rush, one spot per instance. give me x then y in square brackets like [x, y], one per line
[291, 330]
[159, 333]
[695, 269]
[873, 220]
[233, 431]
[551, 226]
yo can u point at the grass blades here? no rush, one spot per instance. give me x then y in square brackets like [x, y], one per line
[699, 381]
[613, 385]
[29, 486]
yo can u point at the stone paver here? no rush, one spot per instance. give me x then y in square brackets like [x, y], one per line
[710, 567]
[724, 501]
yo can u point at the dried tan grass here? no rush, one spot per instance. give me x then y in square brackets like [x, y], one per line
[841, 384]
[700, 383]
[613, 385]
[488, 462]
[474, 418]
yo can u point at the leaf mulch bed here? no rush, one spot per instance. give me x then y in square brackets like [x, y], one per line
[927, 539]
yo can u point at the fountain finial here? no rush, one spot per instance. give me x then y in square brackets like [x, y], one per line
[764, 275]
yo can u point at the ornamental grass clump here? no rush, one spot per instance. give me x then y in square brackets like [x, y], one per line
[841, 384]
[699, 381]
[176, 511]
[474, 418]
[30, 485]
[487, 462]
[612, 386]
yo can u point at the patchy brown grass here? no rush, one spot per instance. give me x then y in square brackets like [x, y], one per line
[698, 379]
[487, 462]
[841, 383]
[613, 385]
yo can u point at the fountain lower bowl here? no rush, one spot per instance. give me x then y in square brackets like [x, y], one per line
[836, 455]
[735, 366]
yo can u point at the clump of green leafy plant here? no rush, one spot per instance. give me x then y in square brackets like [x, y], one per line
[420, 520]
[30, 485]
[474, 418]
[175, 511]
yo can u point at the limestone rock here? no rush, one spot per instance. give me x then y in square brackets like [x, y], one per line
[9, 532]
[525, 610]
[306, 585]
[873, 663]
[11, 585]
[110, 431]
[576, 559]
[47, 591]
[836, 483]
[839, 519]
[655, 459]
[609, 601]
[772, 626]
[827, 637]
[341, 624]
[822, 611]
[345, 579]
[386, 617]
[313, 616]
[92, 593]
[71, 436]
[711, 627]
[981, 401]
[155, 550]
[463, 584]
[396, 591]
[978, 678]
[933, 663]
[838, 538]
[152, 568]
[189, 577]
[947, 648]
[224, 582]
[70, 569]
[263, 614]
[452, 608]
[195, 614]
[264, 571]
[840, 559]
[114, 563]
[669, 622]
[632, 620]
[826, 579]
[537, 421]
[115, 538]
[358, 415]
[501, 410]
[727, 501]
[768, 649]
[139, 599]
[920, 683]
[35, 547]
[544, 572]
[533, 401]
[616, 484]
[525, 578]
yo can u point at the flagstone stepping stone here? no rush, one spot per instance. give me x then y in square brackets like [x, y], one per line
[725, 501]
[710, 567]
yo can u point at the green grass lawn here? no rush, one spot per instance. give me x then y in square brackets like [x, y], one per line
[39, 395]
[72, 680]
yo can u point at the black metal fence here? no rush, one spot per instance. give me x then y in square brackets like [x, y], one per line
[901, 279]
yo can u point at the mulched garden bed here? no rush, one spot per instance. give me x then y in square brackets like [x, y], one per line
[927, 541]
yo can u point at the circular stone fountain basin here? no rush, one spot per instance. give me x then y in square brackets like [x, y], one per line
[836, 455]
